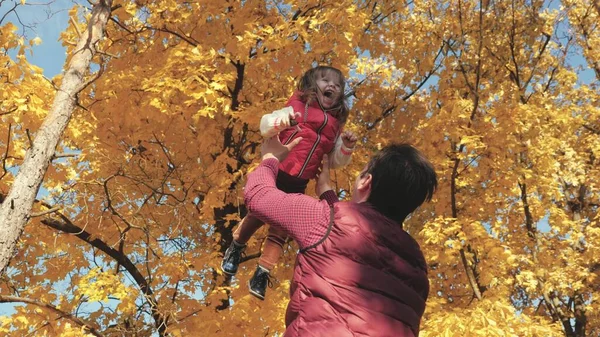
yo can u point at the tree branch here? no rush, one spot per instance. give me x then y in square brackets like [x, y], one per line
[388, 111]
[46, 212]
[72, 318]
[2, 113]
[470, 275]
[5, 171]
[65, 225]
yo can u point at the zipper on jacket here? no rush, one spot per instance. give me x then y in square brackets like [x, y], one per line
[290, 137]
[314, 147]
[296, 131]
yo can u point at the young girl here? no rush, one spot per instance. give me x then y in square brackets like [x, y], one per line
[319, 110]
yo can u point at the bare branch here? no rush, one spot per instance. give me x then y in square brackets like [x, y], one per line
[2, 113]
[65, 155]
[29, 138]
[470, 275]
[46, 212]
[8, 12]
[75, 26]
[189, 40]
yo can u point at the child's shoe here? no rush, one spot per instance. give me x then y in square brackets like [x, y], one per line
[232, 258]
[259, 281]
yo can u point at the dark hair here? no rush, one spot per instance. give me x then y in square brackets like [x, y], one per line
[308, 86]
[402, 179]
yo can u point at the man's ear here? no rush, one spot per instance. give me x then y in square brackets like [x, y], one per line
[364, 187]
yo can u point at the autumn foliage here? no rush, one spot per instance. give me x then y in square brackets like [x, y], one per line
[145, 188]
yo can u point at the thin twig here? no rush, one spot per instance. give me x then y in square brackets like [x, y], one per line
[51, 210]
[65, 155]
[9, 111]
[6, 153]
[29, 137]
[75, 25]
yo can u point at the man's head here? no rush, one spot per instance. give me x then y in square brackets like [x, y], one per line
[396, 181]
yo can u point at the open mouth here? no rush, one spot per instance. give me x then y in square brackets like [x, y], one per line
[328, 94]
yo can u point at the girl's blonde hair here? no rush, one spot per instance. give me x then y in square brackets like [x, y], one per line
[308, 87]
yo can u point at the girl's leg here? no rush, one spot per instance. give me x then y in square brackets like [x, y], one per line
[241, 235]
[273, 248]
[248, 226]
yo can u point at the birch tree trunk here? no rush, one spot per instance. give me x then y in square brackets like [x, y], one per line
[16, 208]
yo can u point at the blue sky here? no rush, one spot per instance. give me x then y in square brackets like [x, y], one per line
[47, 22]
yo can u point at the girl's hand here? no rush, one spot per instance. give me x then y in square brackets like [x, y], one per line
[349, 139]
[286, 118]
[283, 118]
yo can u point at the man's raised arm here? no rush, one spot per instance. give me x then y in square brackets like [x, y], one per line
[304, 218]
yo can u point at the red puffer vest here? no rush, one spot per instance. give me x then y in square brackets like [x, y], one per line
[367, 277]
[318, 130]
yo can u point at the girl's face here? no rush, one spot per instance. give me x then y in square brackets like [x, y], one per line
[329, 89]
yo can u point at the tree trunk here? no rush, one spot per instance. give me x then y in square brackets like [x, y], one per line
[16, 207]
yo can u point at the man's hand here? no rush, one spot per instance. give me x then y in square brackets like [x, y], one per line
[349, 139]
[272, 148]
[323, 180]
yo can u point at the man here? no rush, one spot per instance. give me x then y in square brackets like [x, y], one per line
[358, 273]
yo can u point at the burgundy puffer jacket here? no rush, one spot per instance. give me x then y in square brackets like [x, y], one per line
[318, 130]
[367, 277]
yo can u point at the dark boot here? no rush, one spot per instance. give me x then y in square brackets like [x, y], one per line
[232, 257]
[259, 281]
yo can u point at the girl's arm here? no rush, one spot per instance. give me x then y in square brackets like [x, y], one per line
[271, 124]
[342, 151]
